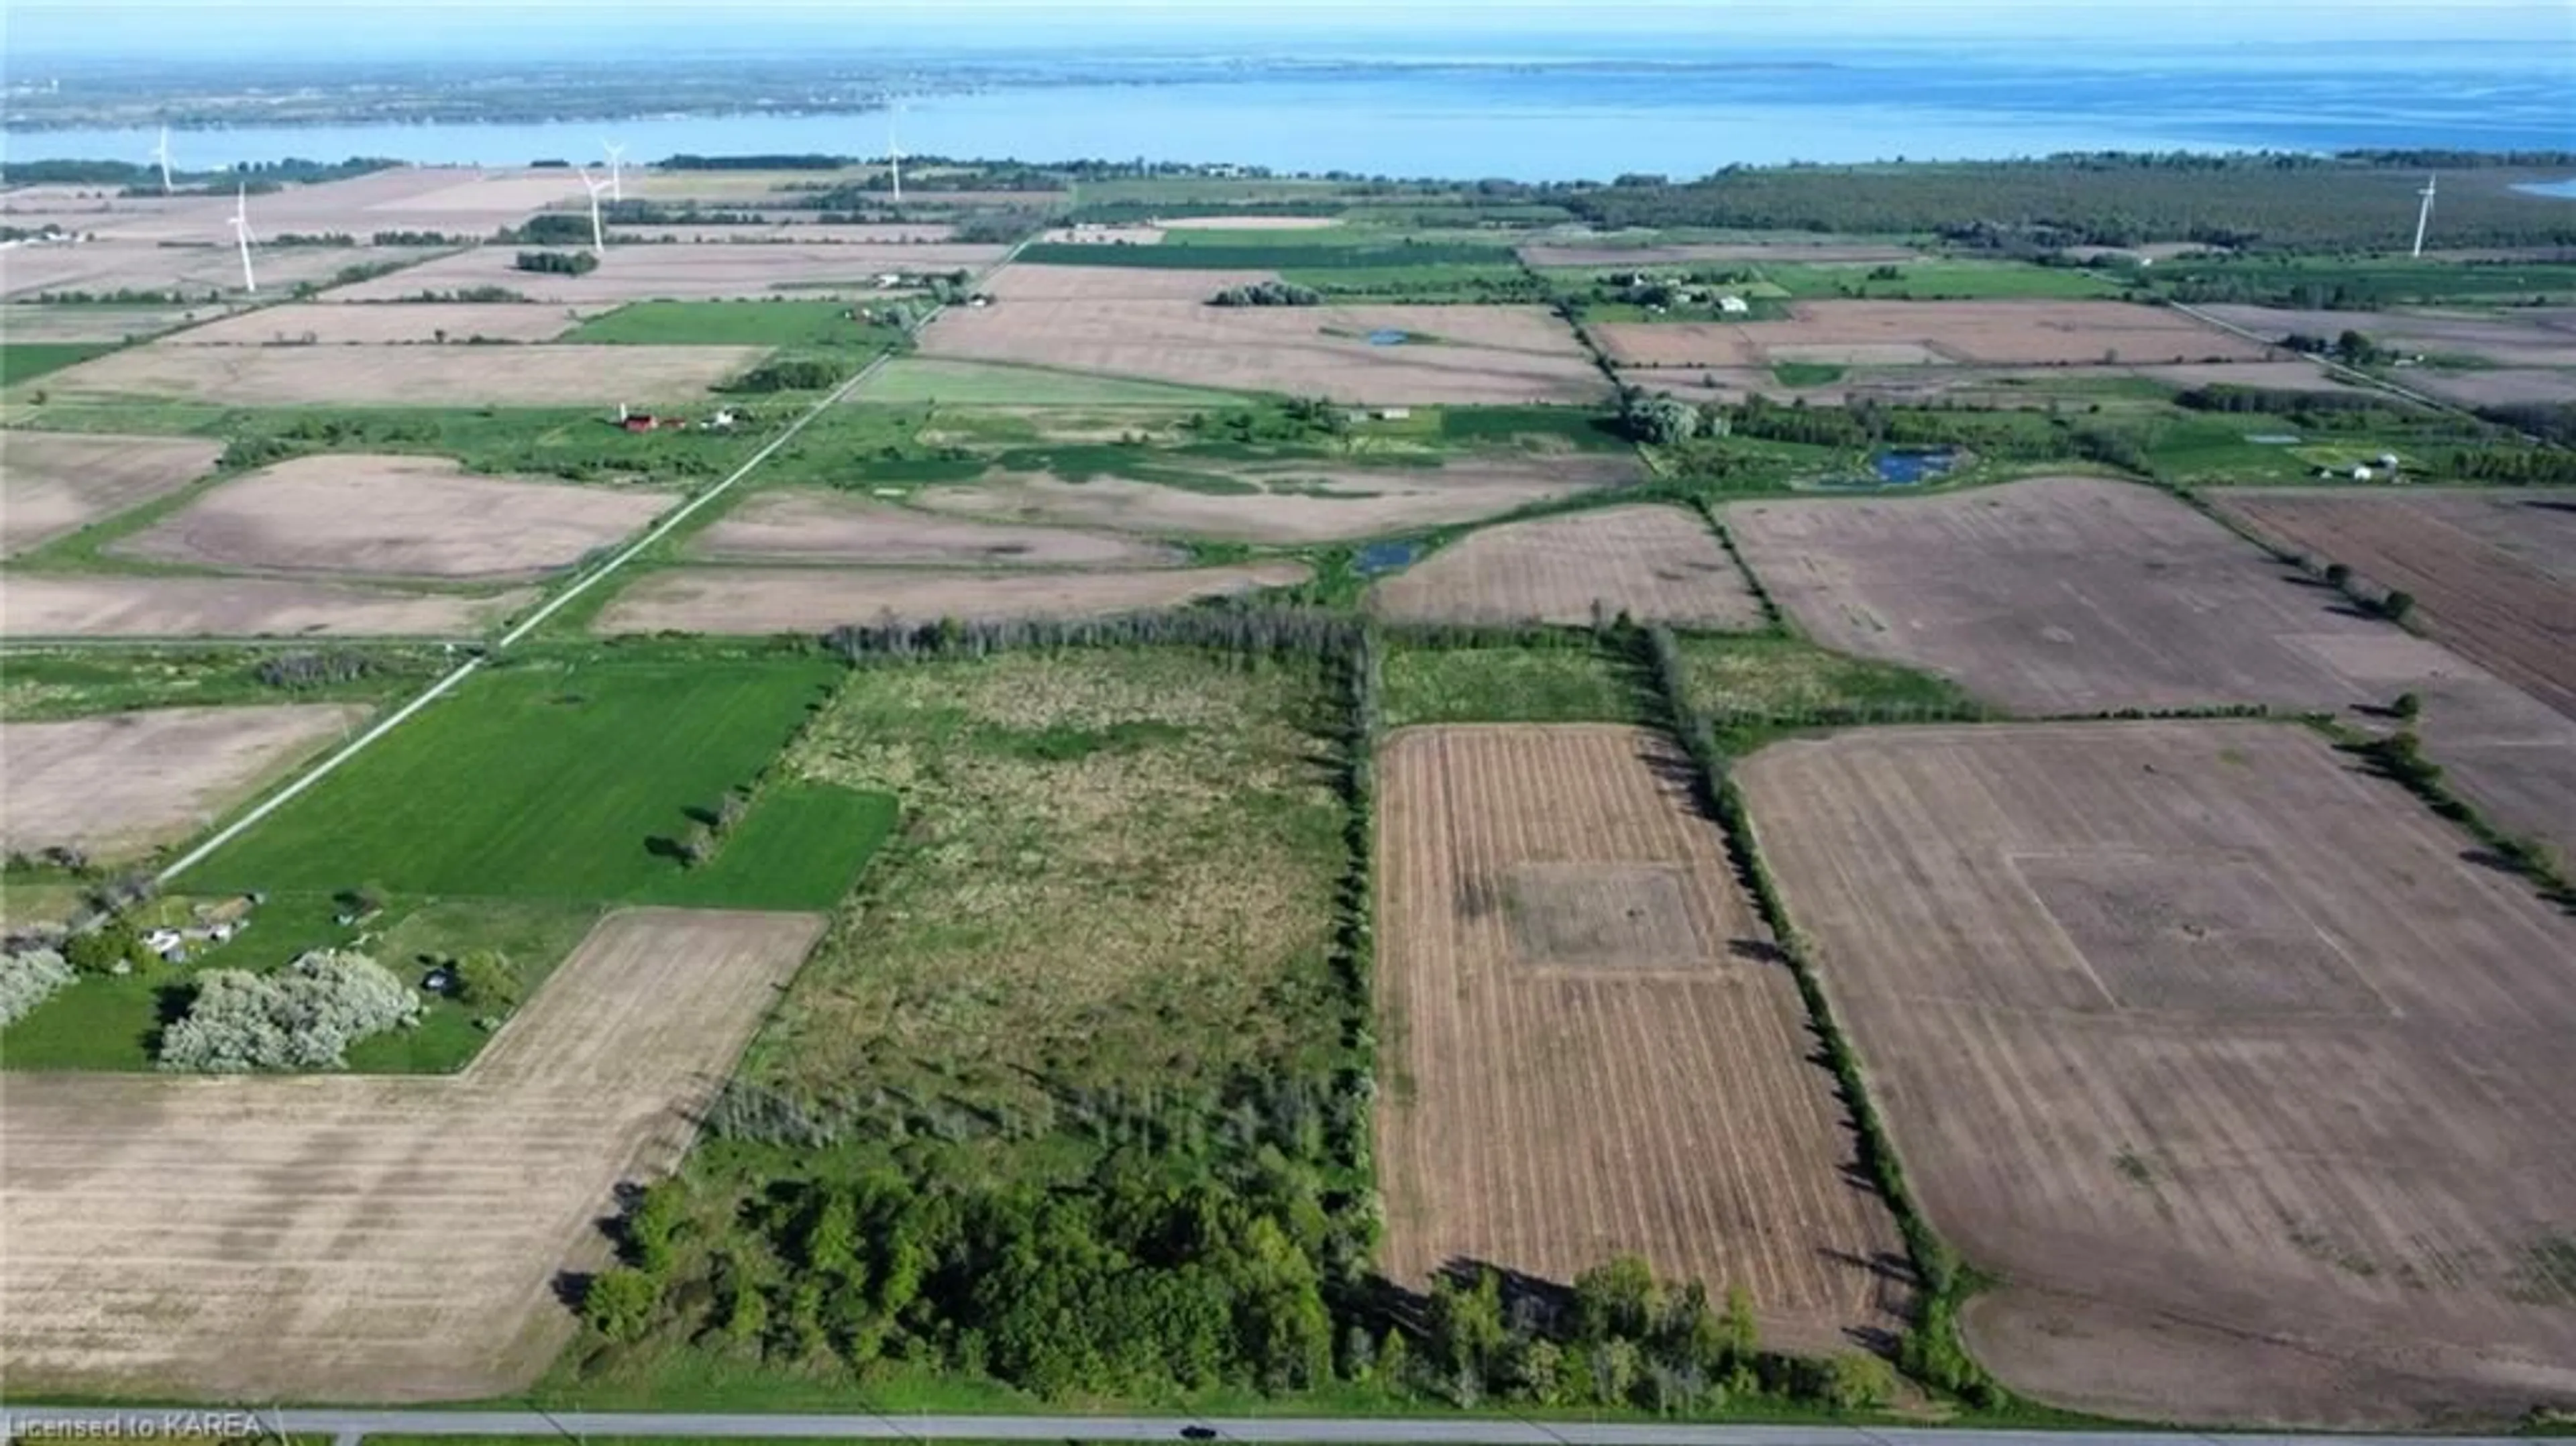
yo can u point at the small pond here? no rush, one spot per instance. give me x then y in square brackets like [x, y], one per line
[1389, 336]
[1383, 557]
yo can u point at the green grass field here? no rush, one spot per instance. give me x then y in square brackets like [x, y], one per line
[571, 782]
[72, 682]
[915, 380]
[21, 360]
[826, 324]
[1570, 684]
[1752, 686]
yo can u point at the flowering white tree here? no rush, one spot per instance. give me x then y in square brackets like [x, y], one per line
[28, 978]
[303, 1017]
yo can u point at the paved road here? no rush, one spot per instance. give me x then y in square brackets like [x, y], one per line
[553, 605]
[37, 1423]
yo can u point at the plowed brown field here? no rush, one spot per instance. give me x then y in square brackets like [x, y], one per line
[120, 783]
[2250, 1084]
[52, 483]
[1656, 564]
[2076, 595]
[1991, 333]
[1595, 1050]
[372, 1239]
[407, 376]
[112, 605]
[2514, 616]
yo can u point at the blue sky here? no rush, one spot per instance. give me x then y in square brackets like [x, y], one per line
[382, 29]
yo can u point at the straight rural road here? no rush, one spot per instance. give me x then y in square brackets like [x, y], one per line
[37, 1423]
[552, 605]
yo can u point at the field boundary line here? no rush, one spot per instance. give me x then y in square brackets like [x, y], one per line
[549, 608]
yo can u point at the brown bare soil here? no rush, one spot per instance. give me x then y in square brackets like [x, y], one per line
[2077, 595]
[380, 1239]
[2504, 387]
[1596, 1049]
[102, 605]
[2539, 336]
[1992, 333]
[1017, 283]
[329, 325]
[1655, 564]
[1466, 354]
[57, 482]
[817, 600]
[2515, 617]
[1300, 503]
[2237, 1068]
[1790, 251]
[120, 784]
[95, 266]
[639, 273]
[20, 321]
[361, 515]
[407, 376]
[456, 200]
[812, 526]
[1974, 386]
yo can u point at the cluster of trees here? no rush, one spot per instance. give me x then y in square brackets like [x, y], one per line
[789, 374]
[710, 827]
[2551, 422]
[1268, 293]
[2513, 466]
[807, 161]
[556, 263]
[1296, 420]
[29, 977]
[302, 1017]
[2228, 397]
[294, 671]
[113, 946]
[463, 293]
[547, 228]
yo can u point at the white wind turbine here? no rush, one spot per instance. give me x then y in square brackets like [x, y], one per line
[894, 149]
[616, 171]
[242, 236]
[161, 153]
[598, 237]
[2424, 217]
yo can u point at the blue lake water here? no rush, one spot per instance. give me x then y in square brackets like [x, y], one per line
[1383, 557]
[1684, 117]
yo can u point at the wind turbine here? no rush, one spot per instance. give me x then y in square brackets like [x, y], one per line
[894, 149]
[598, 237]
[161, 153]
[242, 236]
[616, 171]
[2424, 217]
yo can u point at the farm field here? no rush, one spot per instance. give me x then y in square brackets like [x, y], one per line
[2499, 387]
[805, 525]
[325, 324]
[200, 272]
[393, 516]
[679, 273]
[407, 376]
[104, 605]
[1654, 564]
[913, 380]
[1612, 254]
[1453, 354]
[2212, 1050]
[1598, 1051]
[1826, 384]
[760, 601]
[57, 482]
[461, 201]
[2074, 595]
[118, 785]
[1287, 502]
[22, 322]
[1026, 281]
[22, 361]
[1932, 279]
[2538, 336]
[584, 778]
[384, 1239]
[1931, 333]
[732, 323]
[2456, 552]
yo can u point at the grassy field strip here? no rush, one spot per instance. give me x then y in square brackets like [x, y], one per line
[470, 666]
